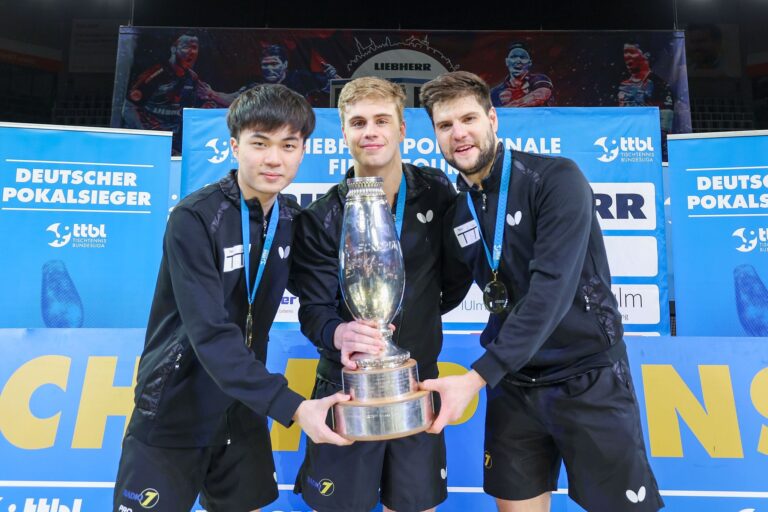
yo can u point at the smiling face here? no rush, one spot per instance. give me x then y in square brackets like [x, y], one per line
[466, 134]
[373, 132]
[267, 161]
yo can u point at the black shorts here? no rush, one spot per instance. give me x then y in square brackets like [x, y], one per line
[591, 422]
[410, 472]
[238, 476]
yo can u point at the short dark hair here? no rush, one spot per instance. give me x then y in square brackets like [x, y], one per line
[269, 107]
[517, 46]
[454, 85]
[274, 50]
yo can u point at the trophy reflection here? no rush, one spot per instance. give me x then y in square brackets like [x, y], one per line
[386, 402]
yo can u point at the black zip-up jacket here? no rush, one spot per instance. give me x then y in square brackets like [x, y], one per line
[564, 319]
[198, 384]
[434, 282]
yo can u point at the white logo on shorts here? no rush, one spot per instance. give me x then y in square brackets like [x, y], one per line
[636, 497]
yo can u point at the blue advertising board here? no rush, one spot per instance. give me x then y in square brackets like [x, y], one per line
[174, 182]
[719, 195]
[618, 149]
[67, 394]
[82, 214]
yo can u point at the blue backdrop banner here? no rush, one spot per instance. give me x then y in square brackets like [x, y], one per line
[719, 195]
[67, 394]
[82, 214]
[618, 149]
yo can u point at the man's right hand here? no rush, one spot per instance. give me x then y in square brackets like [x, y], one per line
[311, 416]
[356, 336]
[456, 391]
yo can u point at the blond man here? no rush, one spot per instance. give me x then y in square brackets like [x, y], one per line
[408, 474]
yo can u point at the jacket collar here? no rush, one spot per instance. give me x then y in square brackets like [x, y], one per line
[231, 190]
[490, 182]
[414, 182]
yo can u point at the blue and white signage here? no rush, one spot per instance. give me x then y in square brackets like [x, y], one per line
[67, 395]
[82, 215]
[618, 149]
[719, 194]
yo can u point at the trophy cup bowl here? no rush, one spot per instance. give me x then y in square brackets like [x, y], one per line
[386, 401]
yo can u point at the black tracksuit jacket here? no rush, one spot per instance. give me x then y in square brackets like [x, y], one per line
[564, 319]
[434, 282]
[198, 384]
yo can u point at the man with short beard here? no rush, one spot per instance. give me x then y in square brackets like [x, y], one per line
[555, 363]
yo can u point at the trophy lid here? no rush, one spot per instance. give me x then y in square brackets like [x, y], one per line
[370, 186]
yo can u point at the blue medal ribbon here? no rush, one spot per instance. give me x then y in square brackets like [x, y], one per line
[400, 208]
[246, 227]
[498, 235]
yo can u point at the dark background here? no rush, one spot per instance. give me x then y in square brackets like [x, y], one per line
[37, 83]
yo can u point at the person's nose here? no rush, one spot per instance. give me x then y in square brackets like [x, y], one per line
[272, 156]
[458, 132]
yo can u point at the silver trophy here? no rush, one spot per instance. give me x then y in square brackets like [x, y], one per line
[386, 401]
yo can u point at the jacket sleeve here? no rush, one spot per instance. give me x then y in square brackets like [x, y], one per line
[455, 276]
[315, 269]
[215, 339]
[563, 209]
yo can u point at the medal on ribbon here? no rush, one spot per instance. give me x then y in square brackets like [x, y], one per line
[495, 294]
[268, 239]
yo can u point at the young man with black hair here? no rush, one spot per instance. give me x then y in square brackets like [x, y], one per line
[555, 363]
[203, 392]
[407, 474]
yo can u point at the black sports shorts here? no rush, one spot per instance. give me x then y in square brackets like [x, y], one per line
[591, 422]
[238, 476]
[411, 472]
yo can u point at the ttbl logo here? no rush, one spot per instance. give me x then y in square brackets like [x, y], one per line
[42, 505]
[220, 150]
[87, 235]
[631, 149]
[748, 238]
